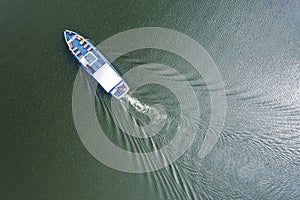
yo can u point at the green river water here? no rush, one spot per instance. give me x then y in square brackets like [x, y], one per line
[255, 46]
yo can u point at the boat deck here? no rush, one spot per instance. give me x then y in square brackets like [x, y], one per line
[78, 45]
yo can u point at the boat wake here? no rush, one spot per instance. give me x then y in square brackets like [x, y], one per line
[138, 119]
[138, 106]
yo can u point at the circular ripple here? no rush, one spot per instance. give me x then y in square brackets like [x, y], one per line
[91, 133]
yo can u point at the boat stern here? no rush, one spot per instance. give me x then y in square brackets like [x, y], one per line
[120, 90]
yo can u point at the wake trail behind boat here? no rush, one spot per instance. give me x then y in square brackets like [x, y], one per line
[137, 104]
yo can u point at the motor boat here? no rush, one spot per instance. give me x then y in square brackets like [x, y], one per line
[94, 62]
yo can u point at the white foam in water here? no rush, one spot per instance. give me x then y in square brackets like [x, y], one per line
[128, 124]
[137, 104]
